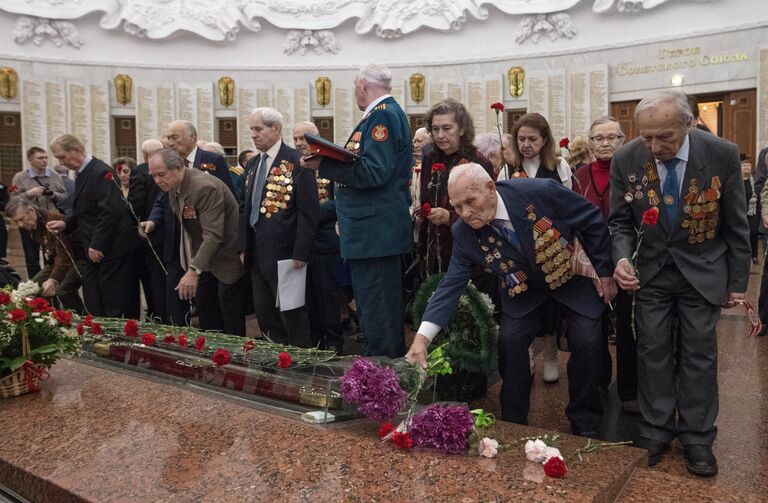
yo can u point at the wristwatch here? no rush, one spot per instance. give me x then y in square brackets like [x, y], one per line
[195, 269]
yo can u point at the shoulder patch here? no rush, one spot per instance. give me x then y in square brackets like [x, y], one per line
[236, 170]
[383, 106]
[379, 132]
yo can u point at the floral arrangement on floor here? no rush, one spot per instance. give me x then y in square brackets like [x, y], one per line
[33, 335]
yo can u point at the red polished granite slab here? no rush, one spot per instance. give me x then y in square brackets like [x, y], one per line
[97, 435]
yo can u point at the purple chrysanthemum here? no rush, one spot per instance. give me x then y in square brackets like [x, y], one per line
[374, 389]
[441, 427]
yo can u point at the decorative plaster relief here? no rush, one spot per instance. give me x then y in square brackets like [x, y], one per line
[40, 29]
[552, 25]
[303, 41]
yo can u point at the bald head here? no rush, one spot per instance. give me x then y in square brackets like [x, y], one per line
[472, 194]
[299, 130]
[420, 138]
[149, 147]
[182, 137]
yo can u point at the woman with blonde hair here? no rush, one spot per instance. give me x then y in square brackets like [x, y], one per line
[579, 153]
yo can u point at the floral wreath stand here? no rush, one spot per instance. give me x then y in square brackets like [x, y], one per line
[26, 379]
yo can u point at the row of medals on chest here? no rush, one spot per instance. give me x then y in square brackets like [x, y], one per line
[279, 189]
[514, 281]
[322, 189]
[353, 145]
[553, 252]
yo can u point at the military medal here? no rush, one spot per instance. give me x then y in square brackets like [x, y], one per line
[628, 197]
[653, 197]
[531, 213]
[650, 171]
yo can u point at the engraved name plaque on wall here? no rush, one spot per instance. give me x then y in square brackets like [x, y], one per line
[762, 93]
[194, 102]
[587, 98]
[248, 97]
[101, 143]
[547, 96]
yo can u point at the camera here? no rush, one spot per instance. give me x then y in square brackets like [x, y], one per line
[47, 192]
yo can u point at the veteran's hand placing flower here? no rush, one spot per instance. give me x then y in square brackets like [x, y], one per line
[417, 354]
[625, 276]
[56, 225]
[146, 228]
[439, 216]
[187, 286]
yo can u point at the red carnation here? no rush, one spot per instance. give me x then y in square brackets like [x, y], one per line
[131, 328]
[402, 440]
[169, 339]
[221, 357]
[386, 428]
[565, 142]
[555, 468]
[80, 329]
[12, 188]
[183, 340]
[63, 317]
[88, 319]
[499, 107]
[17, 315]
[200, 343]
[96, 329]
[248, 346]
[426, 209]
[5, 299]
[651, 216]
[438, 166]
[39, 305]
[284, 360]
[108, 176]
[148, 339]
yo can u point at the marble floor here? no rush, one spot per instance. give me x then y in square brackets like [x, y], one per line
[742, 441]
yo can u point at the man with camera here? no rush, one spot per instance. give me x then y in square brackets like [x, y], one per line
[41, 186]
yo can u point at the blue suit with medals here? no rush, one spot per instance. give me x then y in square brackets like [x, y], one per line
[372, 201]
[545, 217]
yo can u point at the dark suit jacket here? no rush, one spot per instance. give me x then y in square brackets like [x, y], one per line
[99, 213]
[290, 232]
[143, 181]
[570, 213]
[715, 266]
[210, 162]
[209, 215]
[327, 241]
[372, 198]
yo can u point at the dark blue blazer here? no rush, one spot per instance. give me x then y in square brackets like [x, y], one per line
[162, 215]
[289, 233]
[570, 213]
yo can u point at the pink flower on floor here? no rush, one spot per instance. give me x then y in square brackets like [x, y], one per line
[488, 447]
[535, 450]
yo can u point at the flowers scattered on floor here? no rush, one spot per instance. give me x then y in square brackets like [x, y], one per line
[445, 428]
[375, 390]
[284, 360]
[593, 446]
[539, 452]
[488, 447]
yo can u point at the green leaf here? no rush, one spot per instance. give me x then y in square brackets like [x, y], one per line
[48, 348]
[16, 363]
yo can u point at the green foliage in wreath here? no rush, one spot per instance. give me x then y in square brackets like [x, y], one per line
[471, 333]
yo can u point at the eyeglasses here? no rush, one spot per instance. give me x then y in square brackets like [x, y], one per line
[612, 138]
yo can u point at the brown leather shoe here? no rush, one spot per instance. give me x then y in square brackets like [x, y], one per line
[700, 460]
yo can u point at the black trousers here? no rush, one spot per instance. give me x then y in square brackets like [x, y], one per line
[626, 348]
[208, 305]
[110, 287]
[323, 301]
[285, 327]
[153, 280]
[31, 253]
[585, 367]
[230, 298]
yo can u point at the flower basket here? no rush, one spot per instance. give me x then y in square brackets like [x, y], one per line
[26, 379]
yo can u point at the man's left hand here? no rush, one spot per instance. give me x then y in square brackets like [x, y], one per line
[439, 216]
[731, 298]
[95, 255]
[187, 287]
[298, 264]
[607, 289]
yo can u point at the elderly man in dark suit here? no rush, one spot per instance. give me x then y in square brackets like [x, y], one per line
[209, 217]
[181, 136]
[372, 206]
[523, 231]
[692, 262]
[279, 223]
[105, 229]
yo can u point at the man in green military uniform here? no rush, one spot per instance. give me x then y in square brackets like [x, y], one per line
[372, 202]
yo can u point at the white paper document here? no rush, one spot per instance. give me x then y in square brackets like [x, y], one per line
[291, 285]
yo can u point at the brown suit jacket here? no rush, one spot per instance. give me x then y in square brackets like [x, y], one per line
[209, 214]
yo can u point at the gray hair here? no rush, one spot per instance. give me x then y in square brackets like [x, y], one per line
[312, 126]
[476, 174]
[216, 147]
[376, 75]
[605, 119]
[170, 158]
[657, 98]
[487, 143]
[17, 205]
[67, 143]
[191, 129]
[150, 146]
[269, 116]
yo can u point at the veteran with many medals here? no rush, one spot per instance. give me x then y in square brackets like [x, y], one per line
[695, 259]
[523, 231]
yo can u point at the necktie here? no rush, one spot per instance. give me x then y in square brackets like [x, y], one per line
[261, 177]
[504, 227]
[671, 193]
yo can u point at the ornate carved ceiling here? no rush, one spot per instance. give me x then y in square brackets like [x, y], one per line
[308, 23]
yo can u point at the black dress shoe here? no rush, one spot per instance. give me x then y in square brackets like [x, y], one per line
[654, 447]
[700, 460]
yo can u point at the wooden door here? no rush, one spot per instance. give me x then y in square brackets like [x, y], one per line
[740, 120]
[624, 112]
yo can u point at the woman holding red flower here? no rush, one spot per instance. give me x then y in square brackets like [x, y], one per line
[453, 132]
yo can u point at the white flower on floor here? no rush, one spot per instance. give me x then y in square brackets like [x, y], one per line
[488, 447]
[536, 450]
[552, 452]
[25, 290]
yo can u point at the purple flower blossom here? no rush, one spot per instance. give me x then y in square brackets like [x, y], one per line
[374, 389]
[441, 427]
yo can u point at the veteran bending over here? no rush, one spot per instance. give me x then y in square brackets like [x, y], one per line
[523, 231]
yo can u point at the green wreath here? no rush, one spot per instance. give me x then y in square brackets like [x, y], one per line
[471, 333]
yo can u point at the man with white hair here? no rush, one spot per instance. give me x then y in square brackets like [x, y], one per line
[279, 223]
[236, 173]
[694, 261]
[523, 231]
[372, 202]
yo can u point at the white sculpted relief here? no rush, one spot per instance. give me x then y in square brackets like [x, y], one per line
[221, 19]
[39, 29]
[306, 40]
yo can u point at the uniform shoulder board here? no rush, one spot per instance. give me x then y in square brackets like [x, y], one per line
[383, 106]
[236, 170]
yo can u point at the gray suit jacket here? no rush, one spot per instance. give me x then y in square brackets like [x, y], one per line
[209, 215]
[718, 262]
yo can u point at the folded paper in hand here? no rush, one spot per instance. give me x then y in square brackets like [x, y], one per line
[291, 285]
